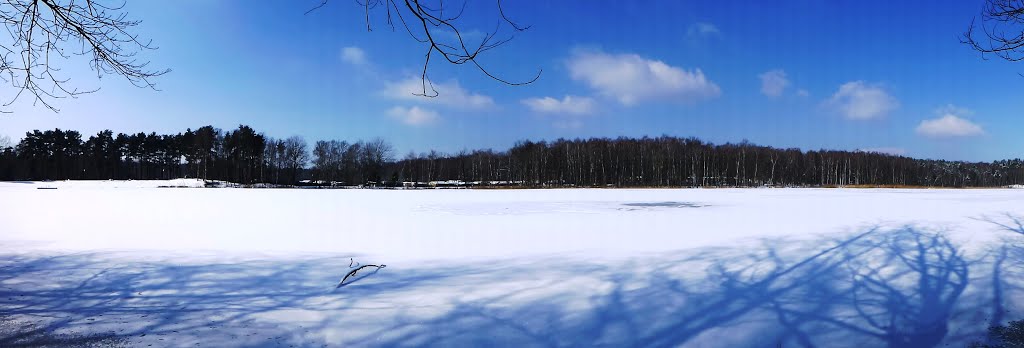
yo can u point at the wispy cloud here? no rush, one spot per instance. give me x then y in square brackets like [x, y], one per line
[702, 29]
[353, 55]
[950, 123]
[774, 83]
[414, 116]
[630, 78]
[858, 100]
[571, 105]
[568, 124]
[449, 94]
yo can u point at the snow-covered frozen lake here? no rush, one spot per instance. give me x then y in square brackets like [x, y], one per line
[128, 263]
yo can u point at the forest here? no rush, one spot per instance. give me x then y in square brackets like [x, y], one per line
[246, 156]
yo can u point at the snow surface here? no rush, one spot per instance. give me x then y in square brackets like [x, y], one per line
[126, 263]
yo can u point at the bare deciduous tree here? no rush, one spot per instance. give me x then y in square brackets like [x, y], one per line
[439, 32]
[328, 161]
[296, 155]
[273, 155]
[45, 33]
[1000, 30]
[376, 154]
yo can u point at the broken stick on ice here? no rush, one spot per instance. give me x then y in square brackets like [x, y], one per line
[353, 272]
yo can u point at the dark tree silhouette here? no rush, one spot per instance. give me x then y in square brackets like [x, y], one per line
[673, 162]
[428, 21]
[328, 161]
[244, 149]
[296, 155]
[46, 33]
[1000, 30]
[246, 156]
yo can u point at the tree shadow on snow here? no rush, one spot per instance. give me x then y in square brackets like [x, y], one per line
[893, 288]
[898, 288]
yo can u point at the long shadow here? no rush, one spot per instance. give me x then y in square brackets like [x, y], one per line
[1007, 222]
[893, 288]
[1007, 268]
[899, 288]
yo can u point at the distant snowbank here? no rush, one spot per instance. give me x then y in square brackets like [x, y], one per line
[1016, 186]
[104, 184]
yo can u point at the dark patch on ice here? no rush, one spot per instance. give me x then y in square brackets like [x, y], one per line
[20, 334]
[665, 205]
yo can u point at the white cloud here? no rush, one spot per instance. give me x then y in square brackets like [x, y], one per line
[568, 124]
[353, 55]
[886, 150]
[414, 116]
[449, 94]
[773, 83]
[950, 124]
[630, 78]
[701, 29]
[571, 105]
[803, 93]
[859, 101]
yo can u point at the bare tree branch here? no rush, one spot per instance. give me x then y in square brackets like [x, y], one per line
[1000, 30]
[429, 25]
[352, 273]
[42, 32]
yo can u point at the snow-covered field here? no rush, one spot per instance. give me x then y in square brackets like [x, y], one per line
[132, 264]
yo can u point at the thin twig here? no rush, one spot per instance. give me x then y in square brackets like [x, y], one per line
[432, 22]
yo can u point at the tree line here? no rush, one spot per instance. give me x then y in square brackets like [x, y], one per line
[241, 155]
[245, 156]
[689, 162]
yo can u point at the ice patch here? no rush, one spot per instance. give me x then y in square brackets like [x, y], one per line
[665, 205]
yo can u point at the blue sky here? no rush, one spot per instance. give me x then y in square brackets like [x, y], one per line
[890, 76]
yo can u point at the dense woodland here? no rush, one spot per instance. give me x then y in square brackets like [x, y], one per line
[246, 156]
